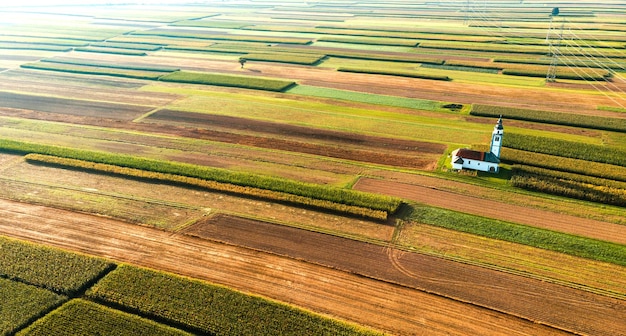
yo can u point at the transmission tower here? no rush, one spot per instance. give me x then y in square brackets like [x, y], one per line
[555, 50]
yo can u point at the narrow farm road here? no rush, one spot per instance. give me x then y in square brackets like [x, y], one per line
[503, 211]
[359, 299]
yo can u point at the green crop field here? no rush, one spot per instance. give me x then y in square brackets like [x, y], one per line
[155, 135]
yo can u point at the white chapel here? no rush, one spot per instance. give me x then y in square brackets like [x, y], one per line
[464, 158]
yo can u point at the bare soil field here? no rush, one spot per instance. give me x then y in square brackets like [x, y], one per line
[493, 209]
[381, 305]
[71, 106]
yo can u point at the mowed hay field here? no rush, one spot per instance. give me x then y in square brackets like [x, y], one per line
[288, 165]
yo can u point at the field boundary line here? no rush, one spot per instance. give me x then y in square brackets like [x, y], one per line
[146, 115]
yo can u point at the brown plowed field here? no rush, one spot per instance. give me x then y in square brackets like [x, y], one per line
[381, 305]
[508, 212]
[531, 299]
[71, 106]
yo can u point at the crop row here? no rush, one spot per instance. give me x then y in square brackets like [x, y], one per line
[124, 45]
[564, 61]
[21, 304]
[537, 181]
[321, 192]
[589, 75]
[371, 41]
[43, 41]
[408, 73]
[461, 68]
[341, 53]
[520, 49]
[248, 82]
[566, 165]
[213, 185]
[210, 24]
[305, 59]
[208, 308]
[567, 119]
[59, 271]
[521, 234]
[116, 51]
[564, 148]
[81, 317]
[593, 180]
[93, 70]
[35, 46]
[221, 37]
[85, 62]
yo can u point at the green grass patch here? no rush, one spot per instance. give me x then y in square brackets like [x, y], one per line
[21, 304]
[80, 317]
[54, 269]
[406, 73]
[612, 109]
[418, 104]
[247, 82]
[557, 118]
[116, 51]
[304, 59]
[321, 192]
[590, 75]
[93, 70]
[210, 308]
[521, 234]
[564, 148]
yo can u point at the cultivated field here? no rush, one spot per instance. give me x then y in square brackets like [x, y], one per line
[299, 154]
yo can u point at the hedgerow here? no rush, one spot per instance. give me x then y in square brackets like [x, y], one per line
[117, 51]
[209, 308]
[97, 64]
[372, 41]
[315, 191]
[412, 74]
[56, 270]
[247, 82]
[127, 46]
[80, 317]
[225, 37]
[21, 304]
[527, 235]
[593, 75]
[213, 185]
[557, 118]
[564, 148]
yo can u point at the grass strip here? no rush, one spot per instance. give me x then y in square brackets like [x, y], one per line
[21, 304]
[597, 75]
[53, 269]
[569, 185]
[411, 74]
[92, 70]
[208, 308]
[84, 318]
[612, 109]
[557, 118]
[565, 148]
[516, 233]
[246, 82]
[461, 68]
[315, 191]
[213, 185]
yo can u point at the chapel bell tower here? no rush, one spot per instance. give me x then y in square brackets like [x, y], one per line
[496, 138]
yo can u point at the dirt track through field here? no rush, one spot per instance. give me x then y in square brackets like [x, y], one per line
[351, 297]
[507, 212]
